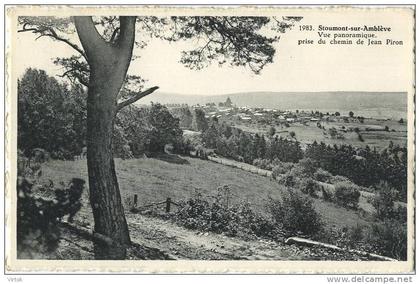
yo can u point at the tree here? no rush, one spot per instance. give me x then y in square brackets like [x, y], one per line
[384, 200]
[271, 131]
[51, 115]
[228, 102]
[199, 122]
[292, 134]
[101, 65]
[164, 128]
[351, 114]
[184, 115]
[211, 136]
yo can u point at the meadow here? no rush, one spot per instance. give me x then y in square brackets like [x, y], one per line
[306, 134]
[155, 179]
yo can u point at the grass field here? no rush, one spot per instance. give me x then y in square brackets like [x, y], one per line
[156, 179]
[310, 132]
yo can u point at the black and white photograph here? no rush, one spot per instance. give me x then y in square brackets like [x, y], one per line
[256, 139]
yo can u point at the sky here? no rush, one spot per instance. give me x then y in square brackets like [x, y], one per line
[295, 68]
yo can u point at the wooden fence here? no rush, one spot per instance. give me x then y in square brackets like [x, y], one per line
[168, 202]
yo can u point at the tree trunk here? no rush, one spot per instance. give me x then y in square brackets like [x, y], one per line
[108, 67]
[104, 196]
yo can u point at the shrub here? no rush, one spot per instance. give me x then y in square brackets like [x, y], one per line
[295, 213]
[263, 164]
[220, 217]
[322, 175]
[400, 213]
[327, 192]
[389, 238]
[309, 186]
[355, 235]
[201, 153]
[37, 230]
[281, 168]
[338, 179]
[288, 180]
[384, 201]
[347, 195]
[183, 146]
[308, 166]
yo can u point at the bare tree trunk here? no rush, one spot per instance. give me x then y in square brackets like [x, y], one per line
[104, 196]
[108, 67]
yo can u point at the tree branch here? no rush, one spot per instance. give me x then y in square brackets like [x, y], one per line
[135, 98]
[114, 34]
[52, 34]
[127, 32]
[88, 34]
[73, 72]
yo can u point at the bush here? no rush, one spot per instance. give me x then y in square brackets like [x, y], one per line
[347, 195]
[389, 238]
[296, 214]
[355, 235]
[338, 179]
[309, 186]
[183, 146]
[322, 175]
[282, 168]
[400, 214]
[200, 152]
[220, 217]
[308, 166]
[328, 192]
[263, 164]
[288, 180]
[37, 230]
[384, 201]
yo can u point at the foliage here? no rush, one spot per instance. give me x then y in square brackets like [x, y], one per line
[164, 128]
[121, 144]
[281, 168]
[389, 237]
[234, 143]
[183, 146]
[51, 116]
[384, 204]
[199, 122]
[384, 201]
[347, 195]
[184, 115]
[210, 136]
[363, 166]
[327, 193]
[309, 186]
[322, 175]
[221, 217]
[296, 213]
[309, 166]
[37, 222]
[271, 131]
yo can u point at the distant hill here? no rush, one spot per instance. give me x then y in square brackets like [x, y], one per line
[369, 104]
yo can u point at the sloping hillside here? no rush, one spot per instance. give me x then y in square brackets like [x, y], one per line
[155, 180]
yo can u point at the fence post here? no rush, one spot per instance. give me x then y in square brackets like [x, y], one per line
[135, 200]
[168, 205]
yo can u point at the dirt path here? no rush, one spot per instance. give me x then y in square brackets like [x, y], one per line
[181, 243]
